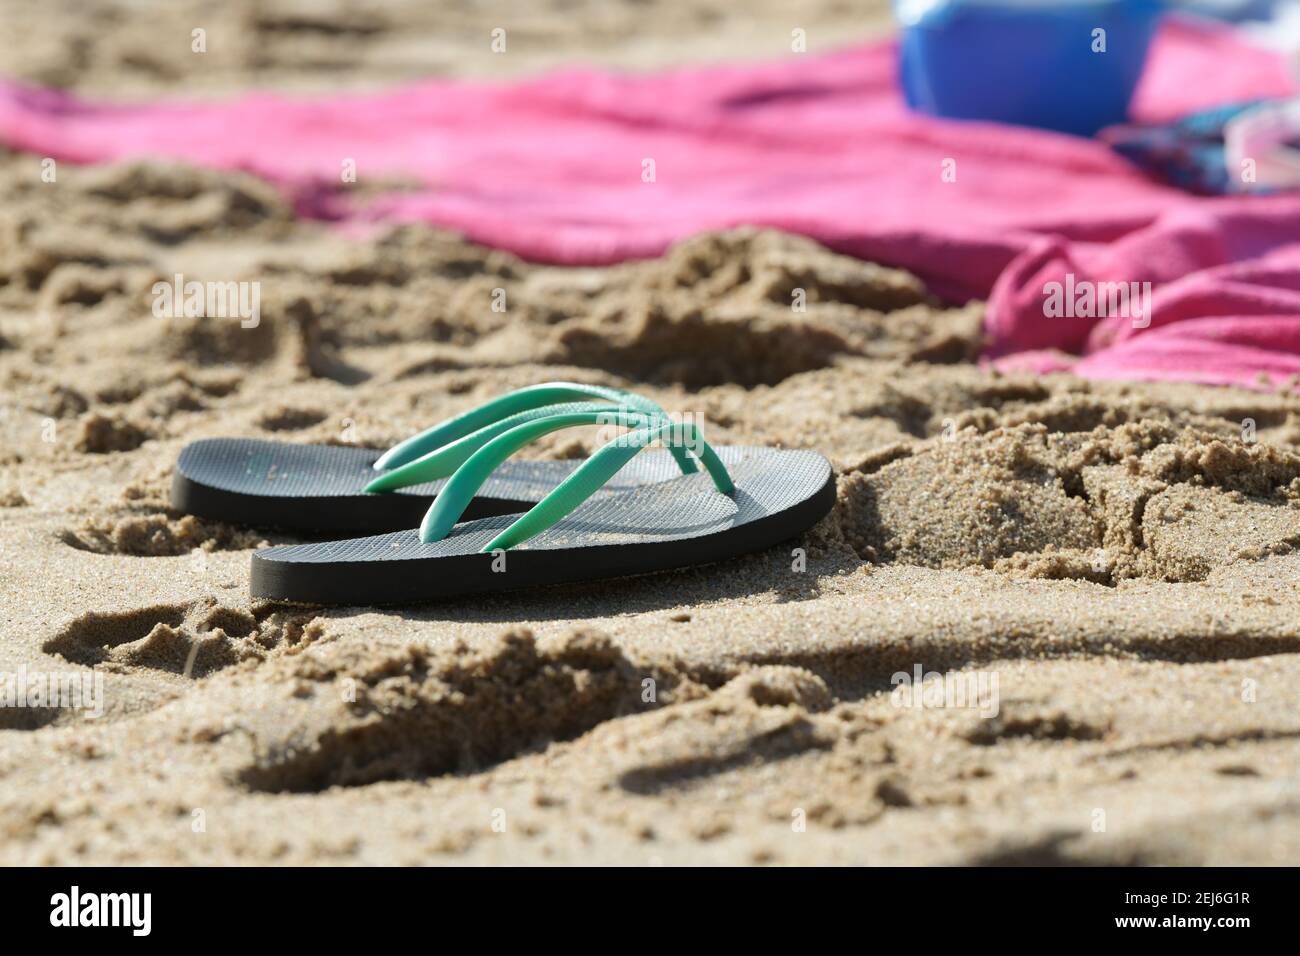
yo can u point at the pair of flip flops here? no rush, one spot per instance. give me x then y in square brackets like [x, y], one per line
[625, 510]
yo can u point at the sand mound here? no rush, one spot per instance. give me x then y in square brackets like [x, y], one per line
[192, 641]
[100, 433]
[158, 535]
[1137, 500]
[419, 714]
[755, 307]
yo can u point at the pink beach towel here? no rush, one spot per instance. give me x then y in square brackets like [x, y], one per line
[585, 167]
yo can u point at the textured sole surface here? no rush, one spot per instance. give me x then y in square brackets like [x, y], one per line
[318, 488]
[672, 523]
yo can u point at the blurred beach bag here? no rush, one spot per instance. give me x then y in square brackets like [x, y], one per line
[1067, 65]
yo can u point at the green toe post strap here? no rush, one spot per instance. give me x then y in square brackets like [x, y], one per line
[445, 460]
[590, 476]
[523, 400]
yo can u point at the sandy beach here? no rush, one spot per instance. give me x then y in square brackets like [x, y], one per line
[1120, 561]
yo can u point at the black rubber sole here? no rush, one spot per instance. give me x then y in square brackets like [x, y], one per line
[317, 489]
[332, 514]
[677, 523]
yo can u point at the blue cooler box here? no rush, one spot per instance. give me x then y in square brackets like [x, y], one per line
[1028, 62]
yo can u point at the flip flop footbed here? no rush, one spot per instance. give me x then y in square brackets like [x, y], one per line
[629, 528]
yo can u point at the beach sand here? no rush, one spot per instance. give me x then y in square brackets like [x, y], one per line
[1119, 562]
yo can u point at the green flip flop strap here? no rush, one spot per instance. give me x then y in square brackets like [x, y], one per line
[522, 400]
[589, 477]
[445, 460]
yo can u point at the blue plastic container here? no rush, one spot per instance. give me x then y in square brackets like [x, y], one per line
[1029, 62]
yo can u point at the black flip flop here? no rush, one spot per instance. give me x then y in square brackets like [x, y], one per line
[673, 523]
[331, 489]
[321, 488]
